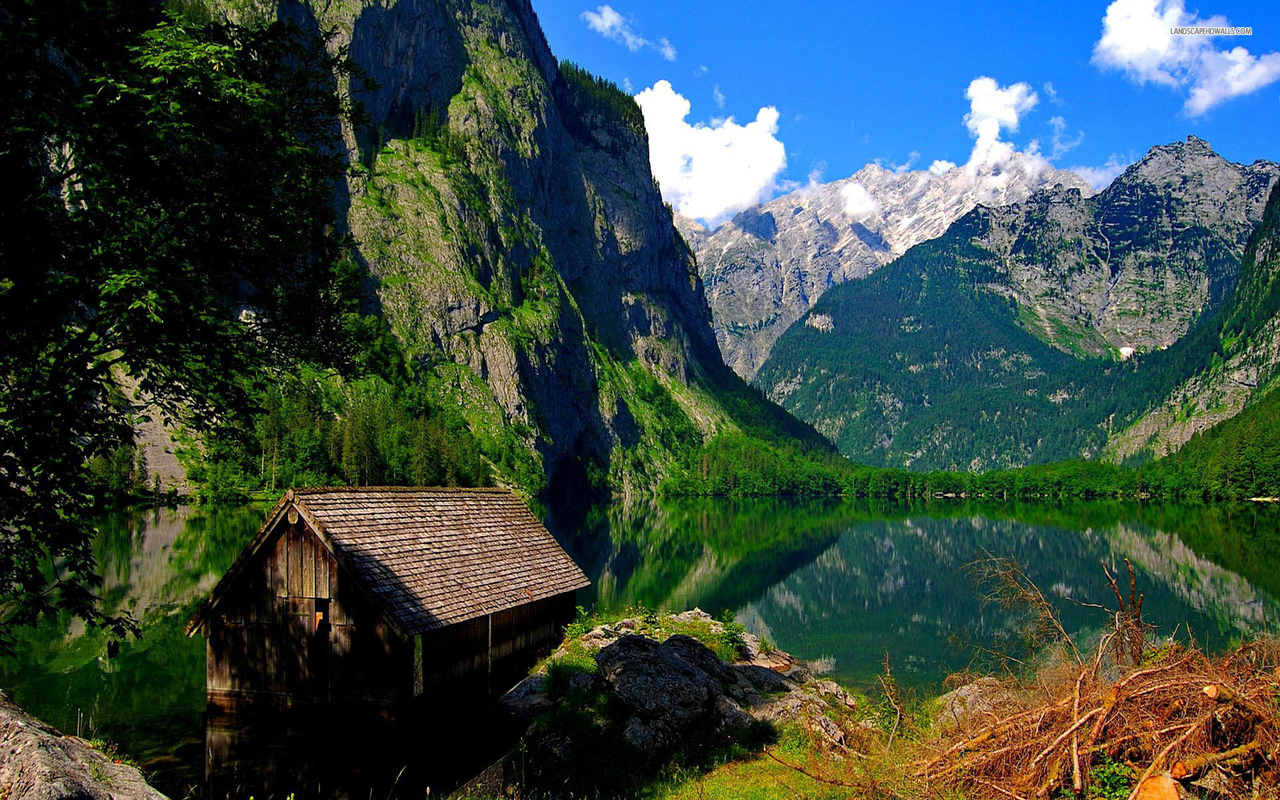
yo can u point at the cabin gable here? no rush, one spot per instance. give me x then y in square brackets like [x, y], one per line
[292, 625]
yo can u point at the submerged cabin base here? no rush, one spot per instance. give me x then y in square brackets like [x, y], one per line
[385, 596]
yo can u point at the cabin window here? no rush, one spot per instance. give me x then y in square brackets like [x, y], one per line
[322, 613]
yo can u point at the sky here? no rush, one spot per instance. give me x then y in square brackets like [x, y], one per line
[746, 100]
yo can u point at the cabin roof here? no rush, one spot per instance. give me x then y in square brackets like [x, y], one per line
[428, 558]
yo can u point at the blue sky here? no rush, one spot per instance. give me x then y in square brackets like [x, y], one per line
[854, 83]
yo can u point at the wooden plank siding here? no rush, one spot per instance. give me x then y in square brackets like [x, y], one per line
[267, 643]
[485, 644]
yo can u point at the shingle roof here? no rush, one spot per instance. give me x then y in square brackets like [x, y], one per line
[435, 557]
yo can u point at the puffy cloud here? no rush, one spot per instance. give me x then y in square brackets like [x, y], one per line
[941, 166]
[1101, 177]
[858, 202]
[710, 172]
[993, 109]
[613, 26]
[1137, 39]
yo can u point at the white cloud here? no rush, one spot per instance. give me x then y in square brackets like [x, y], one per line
[1101, 177]
[806, 187]
[1053, 93]
[1063, 144]
[1137, 39]
[993, 109]
[859, 205]
[613, 26]
[718, 96]
[912, 158]
[700, 71]
[941, 166]
[710, 172]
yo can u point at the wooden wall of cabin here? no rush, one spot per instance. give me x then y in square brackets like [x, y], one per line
[295, 628]
[501, 643]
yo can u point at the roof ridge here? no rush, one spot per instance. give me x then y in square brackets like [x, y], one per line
[403, 489]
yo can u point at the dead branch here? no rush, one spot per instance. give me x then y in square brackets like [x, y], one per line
[1193, 768]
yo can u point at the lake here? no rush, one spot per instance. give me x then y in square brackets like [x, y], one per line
[842, 581]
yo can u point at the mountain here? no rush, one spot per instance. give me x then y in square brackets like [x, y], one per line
[1003, 342]
[1244, 343]
[503, 207]
[770, 264]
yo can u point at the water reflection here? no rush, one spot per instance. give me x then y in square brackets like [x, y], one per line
[853, 581]
[820, 578]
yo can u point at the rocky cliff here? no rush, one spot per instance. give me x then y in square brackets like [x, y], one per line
[768, 266]
[1001, 342]
[1243, 365]
[504, 208]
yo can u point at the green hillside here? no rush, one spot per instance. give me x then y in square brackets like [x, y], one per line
[972, 351]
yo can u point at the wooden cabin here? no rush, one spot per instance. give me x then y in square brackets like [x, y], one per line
[384, 594]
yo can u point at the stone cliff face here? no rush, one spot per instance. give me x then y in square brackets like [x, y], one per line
[768, 266]
[1246, 365]
[1131, 270]
[998, 344]
[521, 253]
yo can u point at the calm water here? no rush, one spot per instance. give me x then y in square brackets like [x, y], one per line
[839, 580]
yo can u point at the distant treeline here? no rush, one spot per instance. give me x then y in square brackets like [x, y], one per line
[1235, 460]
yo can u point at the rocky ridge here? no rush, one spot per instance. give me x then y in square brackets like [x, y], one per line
[770, 264]
[1132, 270]
[1248, 338]
[997, 344]
[503, 205]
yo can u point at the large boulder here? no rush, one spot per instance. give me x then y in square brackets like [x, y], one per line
[668, 689]
[39, 763]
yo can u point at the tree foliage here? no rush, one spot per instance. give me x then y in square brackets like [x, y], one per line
[169, 242]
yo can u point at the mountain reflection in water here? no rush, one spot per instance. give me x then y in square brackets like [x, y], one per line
[850, 581]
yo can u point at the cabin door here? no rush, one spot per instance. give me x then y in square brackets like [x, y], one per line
[318, 653]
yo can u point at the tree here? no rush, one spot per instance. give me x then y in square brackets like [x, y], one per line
[170, 218]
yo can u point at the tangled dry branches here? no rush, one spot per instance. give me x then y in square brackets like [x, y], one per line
[1211, 722]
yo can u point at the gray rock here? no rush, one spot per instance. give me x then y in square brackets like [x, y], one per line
[672, 687]
[972, 703]
[38, 763]
[527, 698]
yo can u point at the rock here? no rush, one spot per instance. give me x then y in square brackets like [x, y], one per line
[39, 763]
[671, 688]
[694, 615]
[836, 692]
[527, 698]
[598, 637]
[766, 680]
[972, 703]
[804, 707]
